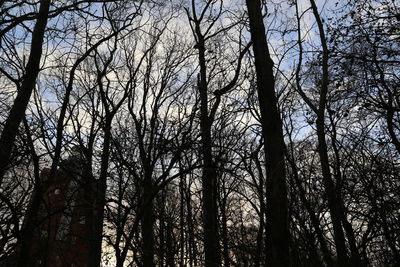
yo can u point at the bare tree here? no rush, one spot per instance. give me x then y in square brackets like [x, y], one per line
[276, 210]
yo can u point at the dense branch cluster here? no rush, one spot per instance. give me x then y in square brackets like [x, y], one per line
[203, 132]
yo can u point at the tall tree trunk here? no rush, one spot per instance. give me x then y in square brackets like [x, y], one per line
[209, 176]
[258, 261]
[170, 259]
[314, 222]
[27, 232]
[24, 237]
[147, 223]
[189, 218]
[161, 234]
[16, 115]
[17, 111]
[181, 217]
[277, 210]
[334, 202]
[348, 229]
[97, 216]
[225, 233]
[311, 212]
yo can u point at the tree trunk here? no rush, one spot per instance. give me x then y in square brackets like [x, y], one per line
[170, 259]
[313, 217]
[96, 233]
[162, 248]
[17, 111]
[28, 232]
[209, 175]
[258, 261]
[181, 218]
[277, 210]
[191, 234]
[314, 222]
[334, 203]
[147, 223]
[225, 233]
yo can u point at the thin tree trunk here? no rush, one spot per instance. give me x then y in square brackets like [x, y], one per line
[314, 220]
[355, 255]
[277, 210]
[225, 233]
[333, 200]
[182, 218]
[97, 217]
[333, 203]
[382, 214]
[189, 219]
[162, 231]
[261, 230]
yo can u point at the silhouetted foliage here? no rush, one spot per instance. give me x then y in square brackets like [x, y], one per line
[199, 133]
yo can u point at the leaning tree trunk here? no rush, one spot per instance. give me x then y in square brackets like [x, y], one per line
[17, 114]
[277, 210]
[17, 111]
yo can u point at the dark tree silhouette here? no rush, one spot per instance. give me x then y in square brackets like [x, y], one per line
[277, 212]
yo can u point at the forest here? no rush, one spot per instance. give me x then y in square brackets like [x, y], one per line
[200, 133]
